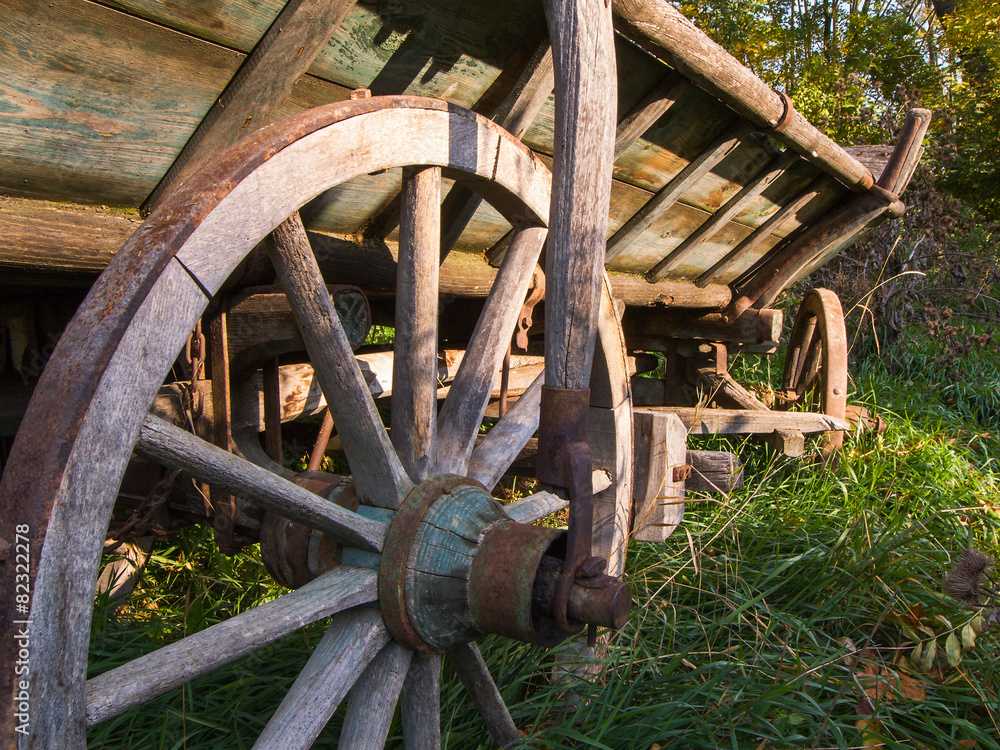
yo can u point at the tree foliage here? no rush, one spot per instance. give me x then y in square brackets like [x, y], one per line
[855, 67]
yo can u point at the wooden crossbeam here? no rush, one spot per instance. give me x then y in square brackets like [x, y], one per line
[260, 85]
[722, 217]
[666, 197]
[762, 232]
[645, 114]
[702, 421]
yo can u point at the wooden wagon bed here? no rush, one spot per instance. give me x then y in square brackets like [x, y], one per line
[723, 194]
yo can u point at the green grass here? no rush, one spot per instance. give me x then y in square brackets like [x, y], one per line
[759, 624]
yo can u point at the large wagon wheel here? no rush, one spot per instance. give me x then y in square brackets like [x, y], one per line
[90, 410]
[815, 376]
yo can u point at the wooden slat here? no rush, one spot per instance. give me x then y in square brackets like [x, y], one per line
[665, 198]
[723, 216]
[471, 669]
[262, 82]
[114, 692]
[761, 233]
[652, 107]
[373, 700]
[420, 703]
[702, 421]
[178, 449]
[378, 475]
[662, 29]
[82, 119]
[586, 91]
[462, 413]
[351, 642]
[415, 362]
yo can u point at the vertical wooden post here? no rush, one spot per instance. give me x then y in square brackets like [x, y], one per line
[584, 140]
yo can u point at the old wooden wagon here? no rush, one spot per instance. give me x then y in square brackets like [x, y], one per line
[538, 198]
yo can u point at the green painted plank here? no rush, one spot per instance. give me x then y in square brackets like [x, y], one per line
[96, 103]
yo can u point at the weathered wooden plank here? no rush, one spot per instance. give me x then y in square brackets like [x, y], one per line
[419, 703]
[352, 641]
[722, 217]
[671, 193]
[82, 120]
[178, 449]
[752, 327]
[723, 389]
[713, 472]
[252, 97]
[586, 89]
[44, 236]
[662, 29]
[653, 106]
[114, 692]
[413, 418]
[471, 669]
[373, 700]
[660, 447]
[761, 233]
[702, 421]
[378, 474]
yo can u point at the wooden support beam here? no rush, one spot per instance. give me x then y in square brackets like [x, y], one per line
[761, 233]
[673, 190]
[584, 134]
[645, 114]
[702, 421]
[752, 327]
[261, 84]
[663, 30]
[721, 388]
[723, 216]
[660, 448]
[802, 249]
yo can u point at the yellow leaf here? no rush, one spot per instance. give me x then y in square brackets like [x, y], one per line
[968, 636]
[954, 649]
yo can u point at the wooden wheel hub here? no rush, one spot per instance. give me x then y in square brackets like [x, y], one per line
[455, 567]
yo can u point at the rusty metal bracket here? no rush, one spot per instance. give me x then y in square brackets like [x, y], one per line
[564, 460]
[536, 295]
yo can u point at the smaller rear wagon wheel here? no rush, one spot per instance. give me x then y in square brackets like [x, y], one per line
[815, 376]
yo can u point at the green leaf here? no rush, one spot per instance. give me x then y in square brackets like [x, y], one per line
[929, 653]
[968, 636]
[953, 648]
[918, 651]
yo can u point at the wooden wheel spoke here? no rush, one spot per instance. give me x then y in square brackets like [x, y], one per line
[373, 700]
[462, 413]
[414, 367]
[497, 451]
[535, 506]
[420, 703]
[472, 671]
[351, 642]
[114, 692]
[379, 477]
[178, 449]
[804, 343]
